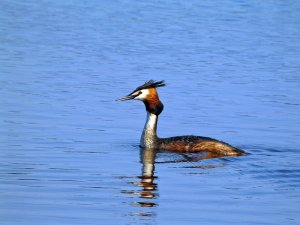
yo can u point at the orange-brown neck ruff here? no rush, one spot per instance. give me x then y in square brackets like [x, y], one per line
[152, 102]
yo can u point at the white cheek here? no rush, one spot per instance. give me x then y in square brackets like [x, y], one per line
[143, 95]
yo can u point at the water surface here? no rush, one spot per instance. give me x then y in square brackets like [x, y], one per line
[69, 153]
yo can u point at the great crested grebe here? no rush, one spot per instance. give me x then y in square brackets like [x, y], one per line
[147, 93]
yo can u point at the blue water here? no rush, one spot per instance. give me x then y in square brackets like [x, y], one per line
[69, 153]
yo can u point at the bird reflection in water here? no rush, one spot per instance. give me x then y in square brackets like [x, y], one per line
[148, 191]
[149, 187]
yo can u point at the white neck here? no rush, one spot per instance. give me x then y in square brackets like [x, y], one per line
[149, 136]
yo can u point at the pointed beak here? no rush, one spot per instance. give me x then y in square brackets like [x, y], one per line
[125, 98]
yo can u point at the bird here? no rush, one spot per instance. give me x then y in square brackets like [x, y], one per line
[147, 93]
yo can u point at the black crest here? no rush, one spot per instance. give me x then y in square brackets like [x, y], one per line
[151, 84]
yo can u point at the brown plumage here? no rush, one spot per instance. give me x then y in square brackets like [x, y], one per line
[193, 144]
[152, 103]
